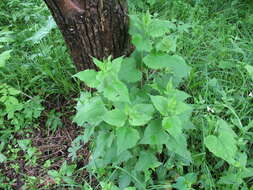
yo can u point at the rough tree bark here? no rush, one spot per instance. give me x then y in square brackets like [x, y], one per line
[92, 28]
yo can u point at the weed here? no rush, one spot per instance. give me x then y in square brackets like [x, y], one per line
[138, 118]
[211, 149]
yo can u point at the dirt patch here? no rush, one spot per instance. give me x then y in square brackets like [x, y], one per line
[51, 146]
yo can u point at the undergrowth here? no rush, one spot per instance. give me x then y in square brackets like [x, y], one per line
[176, 114]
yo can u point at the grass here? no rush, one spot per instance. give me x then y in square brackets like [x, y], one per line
[217, 43]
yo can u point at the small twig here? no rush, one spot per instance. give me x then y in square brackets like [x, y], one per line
[24, 94]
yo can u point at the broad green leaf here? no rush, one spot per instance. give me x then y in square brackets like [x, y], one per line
[224, 145]
[127, 137]
[160, 82]
[13, 91]
[9, 100]
[114, 66]
[103, 140]
[109, 155]
[176, 142]
[7, 90]
[124, 179]
[177, 107]
[154, 134]
[178, 66]
[181, 184]
[89, 77]
[178, 145]
[115, 117]
[185, 182]
[141, 43]
[3, 158]
[99, 63]
[115, 90]
[135, 25]
[249, 68]
[241, 160]
[175, 63]
[4, 57]
[140, 114]
[105, 148]
[147, 160]
[118, 60]
[172, 123]
[191, 178]
[138, 95]
[247, 172]
[122, 157]
[91, 111]
[161, 60]
[231, 179]
[83, 99]
[159, 28]
[177, 94]
[160, 103]
[157, 60]
[167, 44]
[130, 188]
[129, 72]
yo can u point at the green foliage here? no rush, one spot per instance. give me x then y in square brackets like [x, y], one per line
[212, 155]
[35, 76]
[64, 174]
[4, 57]
[249, 69]
[53, 120]
[18, 114]
[135, 119]
[185, 182]
[31, 153]
[167, 151]
[44, 31]
[224, 145]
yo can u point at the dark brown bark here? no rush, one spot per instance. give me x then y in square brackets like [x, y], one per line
[92, 28]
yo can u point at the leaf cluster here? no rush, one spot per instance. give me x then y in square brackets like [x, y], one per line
[137, 118]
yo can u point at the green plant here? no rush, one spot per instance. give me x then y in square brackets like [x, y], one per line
[16, 113]
[214, 37]
[64, 174]
[30, 153]
[4, 38]
[53, 120]
[137, 118]
[16, 117]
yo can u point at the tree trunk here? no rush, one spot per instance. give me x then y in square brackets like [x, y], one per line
[92, 28]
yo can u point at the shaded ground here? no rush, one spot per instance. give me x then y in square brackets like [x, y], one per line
[51, 146]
